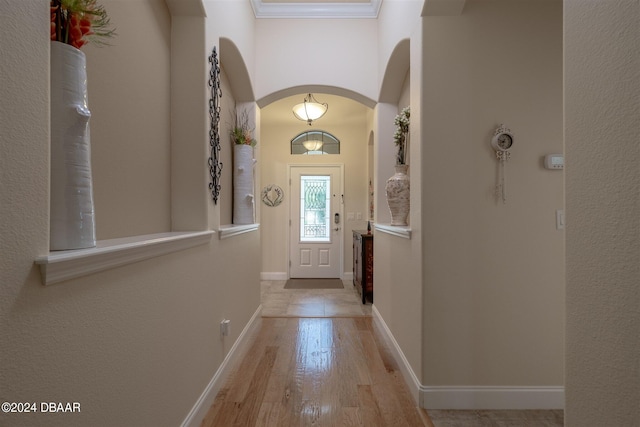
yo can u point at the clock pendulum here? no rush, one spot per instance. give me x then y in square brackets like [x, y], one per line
[502, 141]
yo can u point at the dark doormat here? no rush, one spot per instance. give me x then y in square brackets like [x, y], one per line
[314, 284]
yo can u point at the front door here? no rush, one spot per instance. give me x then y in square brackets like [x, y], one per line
[315, 219]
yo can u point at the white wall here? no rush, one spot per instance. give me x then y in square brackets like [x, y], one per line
[398, 261]
[118, 338]
[603, 206]
[493, 272]
[291, 53]
[227, 106]
[397, 20]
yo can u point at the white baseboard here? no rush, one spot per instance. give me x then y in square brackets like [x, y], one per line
[491, 397]
[275, 275]
[347, 275]
[409, 376]
[199, 410]
[470, 397]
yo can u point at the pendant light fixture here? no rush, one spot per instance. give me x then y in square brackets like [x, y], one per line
[312, 145]
[310, 109]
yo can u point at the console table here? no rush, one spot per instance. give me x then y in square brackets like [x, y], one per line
[363, 264]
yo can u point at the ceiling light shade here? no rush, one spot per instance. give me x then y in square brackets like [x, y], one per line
[310, 109]
[312, 145]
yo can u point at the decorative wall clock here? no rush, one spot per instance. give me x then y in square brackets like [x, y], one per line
[502, 142]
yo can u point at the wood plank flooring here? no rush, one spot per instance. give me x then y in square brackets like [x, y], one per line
[324, 371]
[316, 372]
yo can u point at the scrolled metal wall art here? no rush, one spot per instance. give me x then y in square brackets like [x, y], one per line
[215, 166]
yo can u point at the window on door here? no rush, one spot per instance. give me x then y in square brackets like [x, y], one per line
[315, 208]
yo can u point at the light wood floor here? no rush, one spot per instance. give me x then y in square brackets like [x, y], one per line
[316, 372]
[324, 371]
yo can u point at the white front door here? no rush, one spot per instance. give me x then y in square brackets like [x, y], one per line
[315, 219]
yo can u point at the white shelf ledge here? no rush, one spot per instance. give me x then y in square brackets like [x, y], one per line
[58, 266]
[394, 230]
[226, 231]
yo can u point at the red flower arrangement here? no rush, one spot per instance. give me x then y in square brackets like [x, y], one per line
[77, 22]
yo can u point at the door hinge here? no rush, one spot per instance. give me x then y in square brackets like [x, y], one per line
[289, 263]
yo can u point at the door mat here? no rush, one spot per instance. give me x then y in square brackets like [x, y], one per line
[314, 284]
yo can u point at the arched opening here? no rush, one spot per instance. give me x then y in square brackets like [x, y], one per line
[347, 120]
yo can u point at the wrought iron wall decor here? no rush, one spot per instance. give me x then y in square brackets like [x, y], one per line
[215, 166]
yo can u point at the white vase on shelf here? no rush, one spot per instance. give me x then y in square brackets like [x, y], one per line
[398, 192]
[243, 191]
[72, 224]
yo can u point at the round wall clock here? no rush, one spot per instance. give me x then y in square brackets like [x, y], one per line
[502, 139]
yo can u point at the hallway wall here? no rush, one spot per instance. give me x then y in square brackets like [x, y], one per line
[494, 272]
[602, 111]
[137, 344]
[314, 52]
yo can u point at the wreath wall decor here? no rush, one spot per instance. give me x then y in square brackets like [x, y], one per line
[215, 166]
[272, 195]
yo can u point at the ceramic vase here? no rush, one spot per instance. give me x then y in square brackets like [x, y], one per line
[243, 197]
[397, 190]
[72, 224]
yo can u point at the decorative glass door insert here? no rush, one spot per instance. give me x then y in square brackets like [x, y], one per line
[315, 208]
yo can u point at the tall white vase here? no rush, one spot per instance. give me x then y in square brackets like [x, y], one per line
[398, 192]
[72, 224]
[243, 197]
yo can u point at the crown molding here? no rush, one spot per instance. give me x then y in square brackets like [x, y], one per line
[316, 10]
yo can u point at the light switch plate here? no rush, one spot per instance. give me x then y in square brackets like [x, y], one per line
[560, 219]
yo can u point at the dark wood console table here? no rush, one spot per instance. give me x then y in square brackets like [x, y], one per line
[363, 264]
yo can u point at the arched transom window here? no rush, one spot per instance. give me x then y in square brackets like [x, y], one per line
[315, 142]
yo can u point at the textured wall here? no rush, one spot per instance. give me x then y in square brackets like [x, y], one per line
[134, 345]
[602, 112]
[494, 272]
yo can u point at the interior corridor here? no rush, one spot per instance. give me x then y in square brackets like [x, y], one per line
[319, 359]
